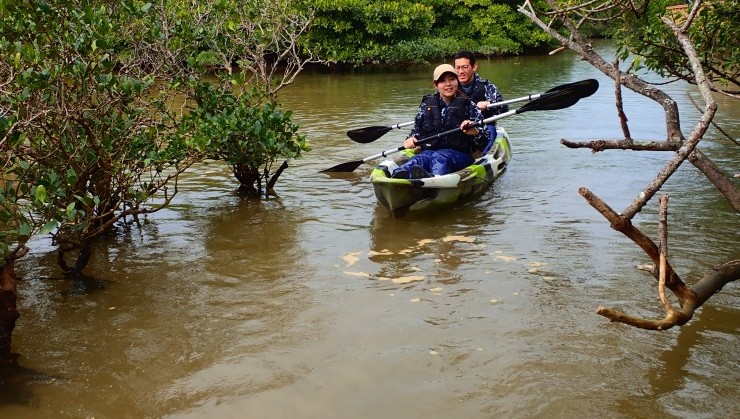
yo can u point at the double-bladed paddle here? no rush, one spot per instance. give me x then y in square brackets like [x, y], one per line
[372, 133]
[547, 101]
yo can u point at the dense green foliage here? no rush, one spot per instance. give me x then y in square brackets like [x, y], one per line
[357, 31]
[407, 31]
[101, 110]
[258, 39]
[84, 136]
[243, 129]
[486, 27]
[714, 33]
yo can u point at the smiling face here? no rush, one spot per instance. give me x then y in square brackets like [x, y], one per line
[447, 86]
[465, 70]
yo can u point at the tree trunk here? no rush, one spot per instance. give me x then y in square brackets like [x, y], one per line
[8, 309]
[248, 176]
[274, 178]
[83, 258]
[80, 262]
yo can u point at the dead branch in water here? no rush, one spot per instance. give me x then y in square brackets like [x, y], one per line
[684, 148]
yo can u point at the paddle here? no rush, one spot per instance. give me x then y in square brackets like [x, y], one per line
[372, 133]
[546, 102]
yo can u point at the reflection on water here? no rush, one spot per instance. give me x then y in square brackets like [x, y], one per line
[319, 304]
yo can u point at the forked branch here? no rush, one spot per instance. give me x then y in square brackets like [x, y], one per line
[689, 298]
[683, 147]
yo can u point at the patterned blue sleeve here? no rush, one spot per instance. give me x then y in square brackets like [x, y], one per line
[418, 122]
[475, 113]
[493, 95]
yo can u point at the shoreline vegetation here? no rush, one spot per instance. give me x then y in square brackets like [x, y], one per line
[382, 67]
[345, 34]
[366, 36]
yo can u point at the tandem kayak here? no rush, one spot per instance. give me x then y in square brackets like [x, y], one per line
[404, 196]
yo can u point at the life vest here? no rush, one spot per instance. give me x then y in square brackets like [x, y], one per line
[478, 94]
[457, 112]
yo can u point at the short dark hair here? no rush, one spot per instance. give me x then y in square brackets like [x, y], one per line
[465, 54]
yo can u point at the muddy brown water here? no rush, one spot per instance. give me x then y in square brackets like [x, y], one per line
[317, 304]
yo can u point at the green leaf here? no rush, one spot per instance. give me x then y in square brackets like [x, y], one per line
[24, 230]
[48, 227]
[70, 211]
[71, 176]
[41, 194]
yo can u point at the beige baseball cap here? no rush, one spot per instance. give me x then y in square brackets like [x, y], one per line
[441, 70]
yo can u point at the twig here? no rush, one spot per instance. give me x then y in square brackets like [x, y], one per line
[620, 106]
[663, 240]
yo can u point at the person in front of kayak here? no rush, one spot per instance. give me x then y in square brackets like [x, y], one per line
[441, 111]
[480, 91]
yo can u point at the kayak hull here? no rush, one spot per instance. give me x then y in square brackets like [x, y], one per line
[403, 196]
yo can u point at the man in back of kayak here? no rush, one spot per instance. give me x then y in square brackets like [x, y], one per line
[445, 110]
[480, 91]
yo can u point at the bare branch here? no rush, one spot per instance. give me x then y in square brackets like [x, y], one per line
[711, 283]
[601, 145]
[578, 44]
[689, 299]
[720, 180]
[620, 106]
[692, 15]
[663, 240]
[714, 124]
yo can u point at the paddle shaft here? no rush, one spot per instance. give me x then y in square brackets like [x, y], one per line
[402, 124]
[510, 101]
[441, 134]
[489, 106]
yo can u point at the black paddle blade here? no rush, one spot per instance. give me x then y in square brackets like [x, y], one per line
[561, 99]
[350, 166]
[583, 88]
[367, 134]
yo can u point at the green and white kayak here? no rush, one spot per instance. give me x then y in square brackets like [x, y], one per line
[404, 196]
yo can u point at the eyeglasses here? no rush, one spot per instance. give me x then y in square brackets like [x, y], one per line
[462, 67]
